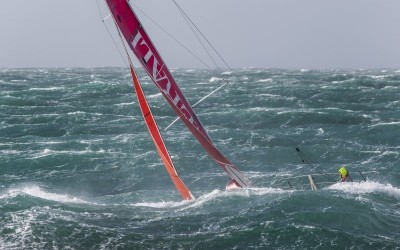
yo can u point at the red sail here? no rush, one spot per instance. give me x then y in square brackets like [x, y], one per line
[157, 139]
[144, 50]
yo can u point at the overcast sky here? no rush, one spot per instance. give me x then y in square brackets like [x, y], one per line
[247, 33]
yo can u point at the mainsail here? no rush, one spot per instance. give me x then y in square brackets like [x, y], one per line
[157, 139]
[147, 54]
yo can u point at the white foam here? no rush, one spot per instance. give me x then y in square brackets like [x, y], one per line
[162, 204]
[386, 124]
[390, 87]
[270, 95]
[171, 204]
[215, 79]
[36, 191]
[39, 193]
[197, 202]
[367, 188]
[22, 80]
[320, 131]
[9, 152]
[259, 191]
[44, 153]
[48, 89]
[377, 77]
[154, 96]
[47, 152]
[263, 109]
[265, 80]
[76, 113]
[125, 104]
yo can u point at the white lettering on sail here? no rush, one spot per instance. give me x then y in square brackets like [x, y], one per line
[160, 76]
[136, 39]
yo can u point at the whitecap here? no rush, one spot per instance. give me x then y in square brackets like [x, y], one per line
[269, 95]
[266, 80]
[161, 204]
[76, 113]
[377, 77]
[154, 96]
[216, 193]
[125, 104]
[258, 109]
[215, 79]
[37, 192]
[366, 188]
[386, 124]
[48, 89]
[9, 152]
[44, 153]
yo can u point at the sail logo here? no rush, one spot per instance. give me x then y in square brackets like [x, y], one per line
[160, 76]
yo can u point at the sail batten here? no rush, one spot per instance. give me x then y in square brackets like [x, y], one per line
[145, 51]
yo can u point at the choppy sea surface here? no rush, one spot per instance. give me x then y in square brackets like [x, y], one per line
[78, 169]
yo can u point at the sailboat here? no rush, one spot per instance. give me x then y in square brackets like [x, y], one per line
[143, 48]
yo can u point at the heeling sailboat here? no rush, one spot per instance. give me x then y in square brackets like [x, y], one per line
[143, 48]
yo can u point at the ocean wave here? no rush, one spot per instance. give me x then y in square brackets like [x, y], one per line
[48, 152]
[367, 188]
[36, 191]
[385, 124]
[377, 77]
[48, 89]
[154, 96]
[125, 104]
[216, 79]
[265, 80]
[214, 194]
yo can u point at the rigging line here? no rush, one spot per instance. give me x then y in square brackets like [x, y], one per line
[187, 19]
[307, 160]
[123, 44]
[183, 46]
[171, 36]
[109, 15]
[199, 101]
[208, 139]
[109, 33]
[226, 64]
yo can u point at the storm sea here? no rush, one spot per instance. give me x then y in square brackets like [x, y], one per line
[78, 169]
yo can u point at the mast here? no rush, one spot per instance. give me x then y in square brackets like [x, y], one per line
[157, 139]
[145, 51]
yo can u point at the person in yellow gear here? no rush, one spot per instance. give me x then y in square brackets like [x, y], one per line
[344, 174]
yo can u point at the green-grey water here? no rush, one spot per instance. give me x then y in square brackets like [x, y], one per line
[78, 169]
